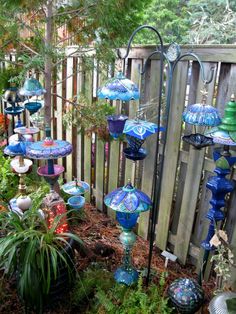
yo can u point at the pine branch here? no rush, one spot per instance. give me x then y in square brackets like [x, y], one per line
[28, 48]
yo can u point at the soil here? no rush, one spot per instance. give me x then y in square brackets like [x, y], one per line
[101, 237]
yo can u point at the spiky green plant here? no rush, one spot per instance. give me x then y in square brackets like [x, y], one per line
[34, 253]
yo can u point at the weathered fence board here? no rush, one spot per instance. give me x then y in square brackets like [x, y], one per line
[172, 150]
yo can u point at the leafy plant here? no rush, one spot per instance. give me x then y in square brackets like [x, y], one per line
[34, 253]
[88, 116]
[133, 300]
[7, 75]
[89, 282]
[223, 260]
[8, 180]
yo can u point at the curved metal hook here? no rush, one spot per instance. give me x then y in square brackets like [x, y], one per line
[202, 72]
[132, 36]
[149, 57]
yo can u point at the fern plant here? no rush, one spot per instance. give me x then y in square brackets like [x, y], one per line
[133, 300]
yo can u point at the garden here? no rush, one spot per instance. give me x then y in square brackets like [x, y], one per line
[117, 177]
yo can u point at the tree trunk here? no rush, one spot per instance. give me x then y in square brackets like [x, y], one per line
[48, 64]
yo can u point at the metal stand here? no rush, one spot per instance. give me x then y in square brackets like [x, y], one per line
[172, 56]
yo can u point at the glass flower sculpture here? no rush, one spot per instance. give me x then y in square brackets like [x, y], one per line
[136, 132]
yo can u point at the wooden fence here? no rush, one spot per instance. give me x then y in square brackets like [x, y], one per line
[184, 198]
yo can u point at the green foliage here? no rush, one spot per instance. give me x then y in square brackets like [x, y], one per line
[89, 282]
[33, 251]
[7, 75]
[8, 180]
[212, 22]
[223, 260]
[22, 28]
[231, 305]
[169, 17]
[133, 300]
[89, 117]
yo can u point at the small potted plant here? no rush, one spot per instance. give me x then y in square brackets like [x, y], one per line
[39, 258]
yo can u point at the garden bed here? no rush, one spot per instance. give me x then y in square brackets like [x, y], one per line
[103, 250]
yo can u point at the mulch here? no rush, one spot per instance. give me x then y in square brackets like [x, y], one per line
[101, 237]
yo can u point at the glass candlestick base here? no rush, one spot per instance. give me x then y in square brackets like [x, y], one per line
[126, 273]
[126, 276]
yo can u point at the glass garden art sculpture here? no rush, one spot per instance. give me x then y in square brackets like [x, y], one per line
[122, 89]
[200, 115]
[76, 188]
[128, 202]
[49, 149]
[186, 295]
[220, 186]
[53, 206]
[116, 124]
[13, 97]
[119, 88]
[136, 132]
[32, 87]
[20, 164]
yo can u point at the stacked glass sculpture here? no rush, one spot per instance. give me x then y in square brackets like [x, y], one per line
[77, 189]
[32, 87]
[128, 202]
[220, 186]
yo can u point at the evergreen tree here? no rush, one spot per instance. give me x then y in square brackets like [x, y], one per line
[212, 22]
[38, 31]
[169, 17]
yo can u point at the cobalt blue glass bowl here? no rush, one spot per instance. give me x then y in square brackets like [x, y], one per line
[127, 220]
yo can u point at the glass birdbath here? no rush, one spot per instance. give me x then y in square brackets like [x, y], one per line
[76, 187]
[49, 149]
[128, 202]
